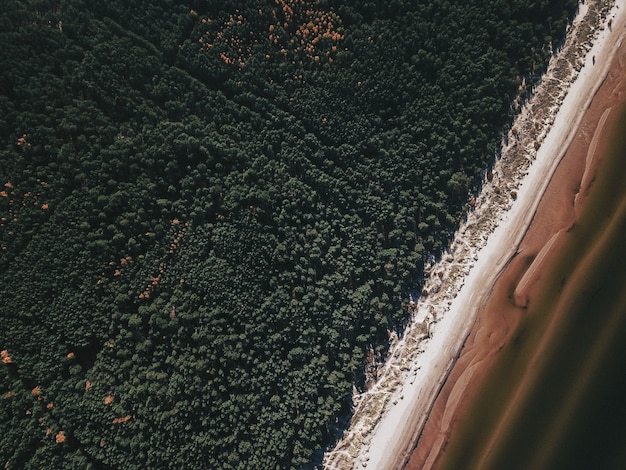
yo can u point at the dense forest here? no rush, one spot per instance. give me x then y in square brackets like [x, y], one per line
[212, 214]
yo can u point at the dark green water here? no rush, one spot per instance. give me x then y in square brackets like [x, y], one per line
[574, 415]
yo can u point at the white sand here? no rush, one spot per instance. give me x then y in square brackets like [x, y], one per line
[389, 417]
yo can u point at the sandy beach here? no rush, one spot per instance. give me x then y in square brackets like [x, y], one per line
[521, 280]
[433, 369]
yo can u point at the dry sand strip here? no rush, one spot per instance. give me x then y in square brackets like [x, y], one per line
[499, 320]
[388, 418]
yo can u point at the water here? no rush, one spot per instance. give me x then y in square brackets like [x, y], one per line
[573, 413]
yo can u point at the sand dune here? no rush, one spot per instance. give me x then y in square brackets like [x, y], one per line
[390, 417]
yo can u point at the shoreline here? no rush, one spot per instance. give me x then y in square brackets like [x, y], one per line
[504, 313]
[389, 418]
[523, 364]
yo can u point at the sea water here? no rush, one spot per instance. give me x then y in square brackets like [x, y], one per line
[573, 414]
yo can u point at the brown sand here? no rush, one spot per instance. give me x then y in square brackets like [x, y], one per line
[498, 319]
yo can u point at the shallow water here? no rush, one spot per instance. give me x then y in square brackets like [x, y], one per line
[570, 351]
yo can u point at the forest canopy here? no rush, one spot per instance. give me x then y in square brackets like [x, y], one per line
[213, 214]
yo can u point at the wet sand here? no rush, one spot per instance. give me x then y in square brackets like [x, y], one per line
[502, 317]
